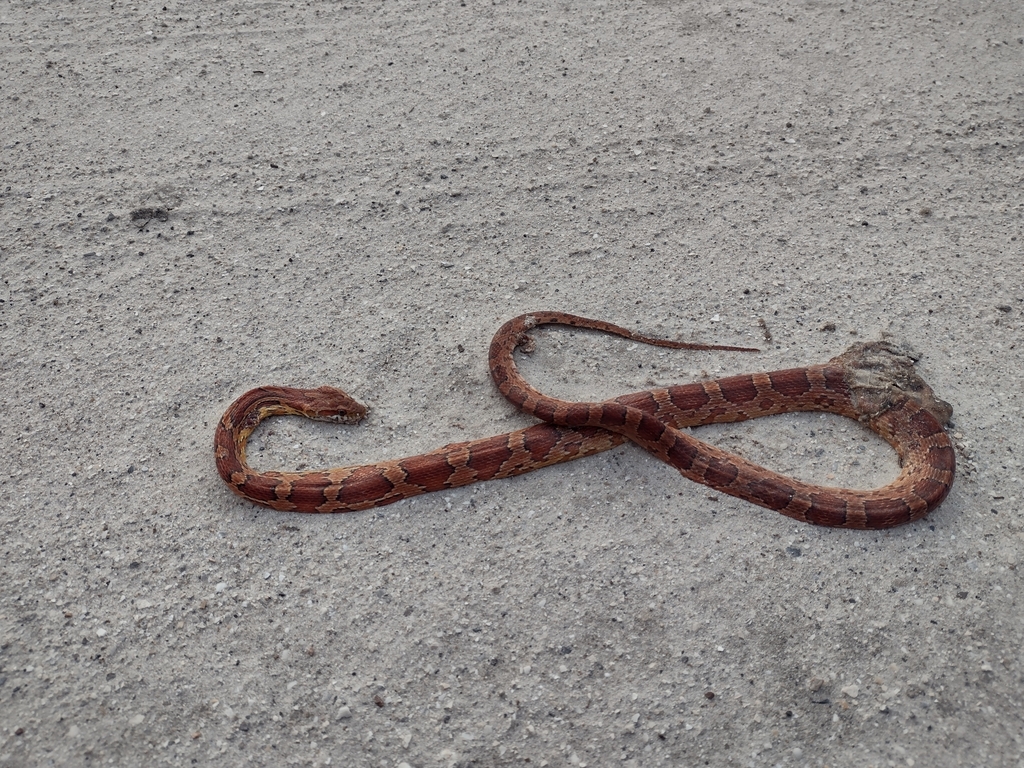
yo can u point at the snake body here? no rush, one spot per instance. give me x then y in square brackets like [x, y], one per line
[873, 383]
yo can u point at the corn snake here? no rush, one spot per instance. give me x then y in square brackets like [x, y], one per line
[874, 383]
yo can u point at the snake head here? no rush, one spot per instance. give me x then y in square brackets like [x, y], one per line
[330, 404]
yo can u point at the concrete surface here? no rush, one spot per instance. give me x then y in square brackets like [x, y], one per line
[359, 195]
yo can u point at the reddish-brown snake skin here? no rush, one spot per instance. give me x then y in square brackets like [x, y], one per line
[874, 383]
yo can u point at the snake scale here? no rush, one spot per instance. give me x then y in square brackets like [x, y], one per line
[874, 383]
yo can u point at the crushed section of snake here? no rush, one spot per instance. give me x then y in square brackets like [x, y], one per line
[873, 383]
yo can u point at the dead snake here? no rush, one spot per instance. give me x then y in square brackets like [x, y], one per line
[874, 383]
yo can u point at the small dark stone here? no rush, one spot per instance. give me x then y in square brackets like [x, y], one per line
[147, 214]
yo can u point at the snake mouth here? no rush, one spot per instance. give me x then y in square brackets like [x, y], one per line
[339, 418]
